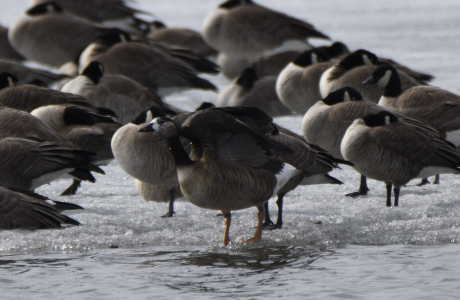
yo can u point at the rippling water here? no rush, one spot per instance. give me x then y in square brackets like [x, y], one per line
[330, 246]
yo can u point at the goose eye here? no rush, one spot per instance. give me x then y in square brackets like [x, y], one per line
[161, 122]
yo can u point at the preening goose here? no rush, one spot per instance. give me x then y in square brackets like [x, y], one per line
[111, 13]
[246, 29]
[233, 172]
[27, 210]
[122, 95]
[49, 35]
[253, 91]
[385, 149]
[143, 63]
[182, 37]
[297, 85]
[87, 130]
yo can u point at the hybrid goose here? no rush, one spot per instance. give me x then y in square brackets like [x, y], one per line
[27, 210]
[385, 149]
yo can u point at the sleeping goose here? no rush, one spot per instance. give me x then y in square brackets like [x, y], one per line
[122, 95]
[111, 13]
[253, 91]
[25, 74]
[49, 35]
[246, 29]
[87, 130]
[27, 210]
[233, 172]
[297, 85]
[385, 149]
[143, 63]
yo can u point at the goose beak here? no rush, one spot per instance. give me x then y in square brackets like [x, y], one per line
[369, 80]
[148, 128]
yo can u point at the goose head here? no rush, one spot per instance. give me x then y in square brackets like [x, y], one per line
[380, 119]
[342, 95]
[164, 126]
[311, 57]
[45, 8]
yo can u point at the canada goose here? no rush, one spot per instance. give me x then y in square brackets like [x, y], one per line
[251, 91]
[146, 157]
[143, 63]
[182, 37]
[385, 149]
[22, 125]
[6, 50]
[122, 95]
[27, 210]
[111, 13]
[358, 58]
[49, 35]
[297, 85]
[87, 130]
[28, 97]
[243, 28]
[233, 172]
[25, 74]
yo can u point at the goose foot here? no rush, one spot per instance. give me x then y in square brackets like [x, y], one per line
[436, 180]
[423, 182]
[357, 194]
[258, 234]
[169, 214]
[271, 226]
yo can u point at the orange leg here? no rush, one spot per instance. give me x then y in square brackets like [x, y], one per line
[258, 234]
[227, 221]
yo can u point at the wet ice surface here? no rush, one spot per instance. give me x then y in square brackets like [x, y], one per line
[323, 249]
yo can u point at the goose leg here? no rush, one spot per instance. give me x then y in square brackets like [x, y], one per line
[389, 185]
[363, 189]
[227, 221]
[396, 191]
[279, 202]
[268, 224]
[258, 234]
[172, 196]
[436, 179]
[72, 189]
[423, 182]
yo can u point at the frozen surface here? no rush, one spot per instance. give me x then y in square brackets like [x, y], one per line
[321, 252]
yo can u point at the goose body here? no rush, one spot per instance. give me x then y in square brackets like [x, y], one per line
[27, 210]
[6, 50]
[49, 35]
[385, 149]
[25, 74]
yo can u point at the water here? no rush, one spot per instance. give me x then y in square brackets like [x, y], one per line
[330, 246]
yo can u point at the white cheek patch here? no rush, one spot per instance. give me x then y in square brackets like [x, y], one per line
[383, 82]
[149, 117]
[367, 61]
[346, 97]
[314, 58]
[10, 81]
[387, 120]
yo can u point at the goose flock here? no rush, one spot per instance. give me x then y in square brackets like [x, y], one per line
[102, 98]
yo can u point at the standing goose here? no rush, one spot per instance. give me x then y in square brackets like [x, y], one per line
[182, 37]
[49, 35]
[251, 91]
[143, 63]
[245, 29]
[385, 149]
[28, 97]
[298, 83]
[87, 130]
[234, 171]
[122, 95]
[27, 210]
[111, 13]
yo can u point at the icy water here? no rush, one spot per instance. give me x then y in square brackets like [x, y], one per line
[330, 246]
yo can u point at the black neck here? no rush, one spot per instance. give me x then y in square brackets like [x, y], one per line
[393, 88]
[180, 156]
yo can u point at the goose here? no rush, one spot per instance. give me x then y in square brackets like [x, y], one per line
[49, 35]
[326, 122]
[143, 63]
[297, 85]
[28, 97]
[22, 125]
[246, 29]
[26, 210]
[108, 12]
[6, 50]
[182, 37]
[385, 149]
[432, 105]
[233, 171]
[251, 91]
[122, 95]
[87, 130]
[25, 74]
